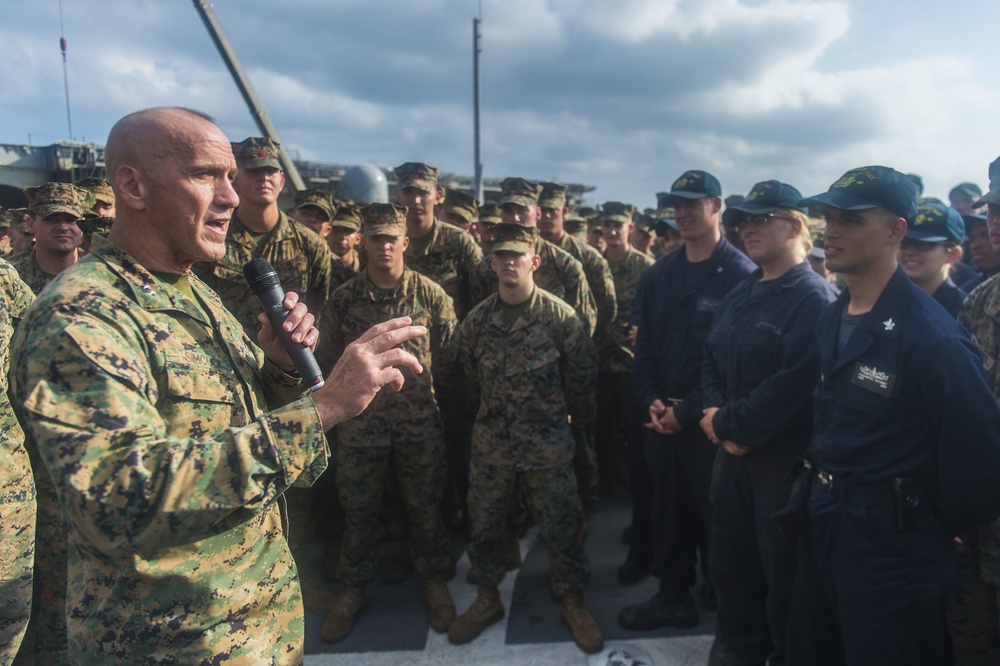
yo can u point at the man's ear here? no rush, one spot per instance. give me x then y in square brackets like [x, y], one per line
[129, 188]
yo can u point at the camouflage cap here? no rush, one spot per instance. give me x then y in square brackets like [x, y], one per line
[644, 222]
[490, 214]
[462, 204]
[348, 216]
[514, 238]
[616, 211]
[379, 219]
[417, 174]
[519, 191]
[575, 226]
[586, 212]
[4, 219]
[256, 152]
[53, 198]
[19, 219]
[319, 198]
[100, 188]
[553, 195]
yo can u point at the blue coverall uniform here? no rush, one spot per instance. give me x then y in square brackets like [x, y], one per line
[906, 400]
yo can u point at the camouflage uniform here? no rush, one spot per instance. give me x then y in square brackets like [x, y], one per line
[560, 274]
[300, 258]
[31, 273]
[149, 410]
[599, 279]
[975, 632]
[17, 489]
[616, 357]
[451, 259]
[404, 425]
[531, 377]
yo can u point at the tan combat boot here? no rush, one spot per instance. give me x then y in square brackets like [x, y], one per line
[484, 611]
[586, 633]
[316, 599]
[340, 620]
[439, 603]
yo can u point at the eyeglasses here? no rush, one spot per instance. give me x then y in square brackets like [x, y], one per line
[918, 245]
[758, 221]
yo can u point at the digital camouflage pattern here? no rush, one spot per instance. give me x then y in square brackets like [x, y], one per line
[973, 617]
[615, 351]
[31, 273]
[451, 259]
[551, 495]
[300, 258]
[599, 279]
[17, 489]
[530, 377]
[560, 274]
[342, 272]
[148, 410]
[402, 432]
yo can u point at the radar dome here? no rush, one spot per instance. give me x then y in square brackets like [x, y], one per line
[365, 184]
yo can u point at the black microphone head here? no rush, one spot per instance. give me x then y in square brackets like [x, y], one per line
[260, 275]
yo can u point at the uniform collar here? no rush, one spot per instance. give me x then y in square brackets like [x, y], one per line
[499, 319]
[240, 235]
[148, 292]
[374, 293]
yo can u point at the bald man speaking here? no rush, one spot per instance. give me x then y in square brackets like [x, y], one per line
[145, 401]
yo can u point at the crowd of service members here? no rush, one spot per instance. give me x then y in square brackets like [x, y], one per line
[789, 399]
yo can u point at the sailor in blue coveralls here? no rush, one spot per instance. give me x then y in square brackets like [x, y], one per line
[677, 299]
[905, 451]
[761, 365]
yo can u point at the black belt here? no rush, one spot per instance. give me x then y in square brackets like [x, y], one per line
[846, 490]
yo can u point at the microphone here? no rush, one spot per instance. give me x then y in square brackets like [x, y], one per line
[264, 283]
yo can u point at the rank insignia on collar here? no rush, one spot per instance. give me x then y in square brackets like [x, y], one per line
[889, 324]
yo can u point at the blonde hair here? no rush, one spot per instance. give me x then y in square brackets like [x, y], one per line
[805, 226]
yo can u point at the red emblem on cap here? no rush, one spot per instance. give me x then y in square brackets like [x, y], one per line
[262, 153]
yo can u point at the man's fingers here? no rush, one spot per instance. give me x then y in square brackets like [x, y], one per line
[394, 357]
[384, 327]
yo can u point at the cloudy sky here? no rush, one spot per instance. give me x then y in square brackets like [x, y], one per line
[623, 95]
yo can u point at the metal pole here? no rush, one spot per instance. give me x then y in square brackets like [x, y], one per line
[477, 48]
[62, 47]
[239, 75]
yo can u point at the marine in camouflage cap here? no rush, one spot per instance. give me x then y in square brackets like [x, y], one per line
[348, 216]
[618, 212]
[104, 196]
[489, 214]
[21, 235]
[314, 208]
[379, 219]
[460, 209]
[482, 228]
[256, 152]
[519, 191]
[553, 195]
[576, 226]
[417, 174]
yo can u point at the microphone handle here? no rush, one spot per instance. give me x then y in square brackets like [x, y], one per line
[272, 299]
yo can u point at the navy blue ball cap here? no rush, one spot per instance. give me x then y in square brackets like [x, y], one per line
[970, 219]
[937, 223]
[765, 197]
[693, 184]
[870, 187]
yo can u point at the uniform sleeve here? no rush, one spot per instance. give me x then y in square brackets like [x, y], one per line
[127, 486]
[778, 400]
[578, 359]
[467, 338]
[444, 346]
[472, 257]
[644, 375]
[602, 286]
[578, 294]
[331, 335]
[321, 277]
[966, 418]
